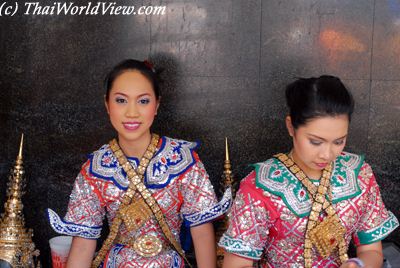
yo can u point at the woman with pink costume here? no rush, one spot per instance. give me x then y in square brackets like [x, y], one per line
[302, 208]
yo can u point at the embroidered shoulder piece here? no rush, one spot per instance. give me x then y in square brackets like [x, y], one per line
[104, 165]
[274, 177]
[380, 232]
[67, 228]
[344, 180]
[211, 213]
[173, 158]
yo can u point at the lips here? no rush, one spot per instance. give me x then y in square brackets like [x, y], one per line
[131, 125]
[321, 165]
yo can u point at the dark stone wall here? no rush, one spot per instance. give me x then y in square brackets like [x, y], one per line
[226, 64]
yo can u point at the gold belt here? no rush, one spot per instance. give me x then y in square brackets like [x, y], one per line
[148, 245]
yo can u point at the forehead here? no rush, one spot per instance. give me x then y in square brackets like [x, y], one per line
[132, 82]
[326, 127]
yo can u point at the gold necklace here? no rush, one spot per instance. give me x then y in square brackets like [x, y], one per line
[325, 235]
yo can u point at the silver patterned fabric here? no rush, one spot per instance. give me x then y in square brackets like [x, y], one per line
[176, 178]
[269, 216]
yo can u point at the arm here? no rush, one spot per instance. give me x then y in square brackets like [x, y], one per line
[371, 255]
[81, 253]
[204, 245]
[234, 261]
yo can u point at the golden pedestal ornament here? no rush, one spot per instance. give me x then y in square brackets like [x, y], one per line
[227, 181]
[16, 246]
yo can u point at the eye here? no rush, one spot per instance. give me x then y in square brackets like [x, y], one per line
[144, 100]
[339, 142]
[315, 142]
[120, 100]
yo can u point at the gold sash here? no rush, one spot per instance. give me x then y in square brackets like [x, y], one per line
[127, 199]
[325, 235]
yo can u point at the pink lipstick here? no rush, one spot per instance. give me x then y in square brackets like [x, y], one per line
[321, 165]
[131, 125]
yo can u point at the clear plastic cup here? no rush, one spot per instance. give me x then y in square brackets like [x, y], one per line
[60, 246]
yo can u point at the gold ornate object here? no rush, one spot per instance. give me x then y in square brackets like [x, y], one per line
[148, 245]
[135, 215]
[228, 178]
[16, 246]
[324, 235]
[227, 181]
[329, 234]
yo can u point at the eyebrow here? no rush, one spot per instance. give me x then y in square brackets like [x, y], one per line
[315, 136]
[123, 94]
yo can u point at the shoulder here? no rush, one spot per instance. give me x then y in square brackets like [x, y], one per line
[248, 183]
[271, 167]
[103, 165]
[248, 187]
[173, 145]
[366, 177]
[180, 142]
[350, 161]
[173, 158]
[347, 167]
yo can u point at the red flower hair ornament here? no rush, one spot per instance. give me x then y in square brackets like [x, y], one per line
[149, 65]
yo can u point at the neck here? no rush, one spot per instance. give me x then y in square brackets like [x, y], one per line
[135, 148]
[311, 173]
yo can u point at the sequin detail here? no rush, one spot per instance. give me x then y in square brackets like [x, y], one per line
[380, 232]
[212, 213]
[72, 229]
[122, 256]
[275, 178]
[173, 158]
[261, 221]
[190, 192]
[240, 247]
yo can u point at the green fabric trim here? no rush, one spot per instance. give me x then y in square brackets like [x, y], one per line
[292, 181]
[285, 185]
[338, 171]
[379, 232]
[239, 247]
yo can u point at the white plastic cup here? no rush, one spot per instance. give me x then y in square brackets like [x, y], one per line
[60, 246]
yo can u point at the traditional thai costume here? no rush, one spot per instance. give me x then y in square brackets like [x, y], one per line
[177, 180]
[284, 219]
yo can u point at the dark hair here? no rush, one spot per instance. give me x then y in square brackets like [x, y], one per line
[308, 98]
[144, 67]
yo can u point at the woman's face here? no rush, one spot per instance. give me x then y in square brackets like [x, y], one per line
[318, 142]
[132, 106]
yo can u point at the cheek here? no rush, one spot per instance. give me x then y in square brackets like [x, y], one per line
[150, 112]
[114, 111]
[303, 145]
[306, 149]
[339, 149]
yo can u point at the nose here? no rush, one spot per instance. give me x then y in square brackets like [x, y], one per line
[132, 110]
[326, 152]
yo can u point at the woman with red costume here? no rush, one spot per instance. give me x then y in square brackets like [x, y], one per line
[301, 209]
[146, 185]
